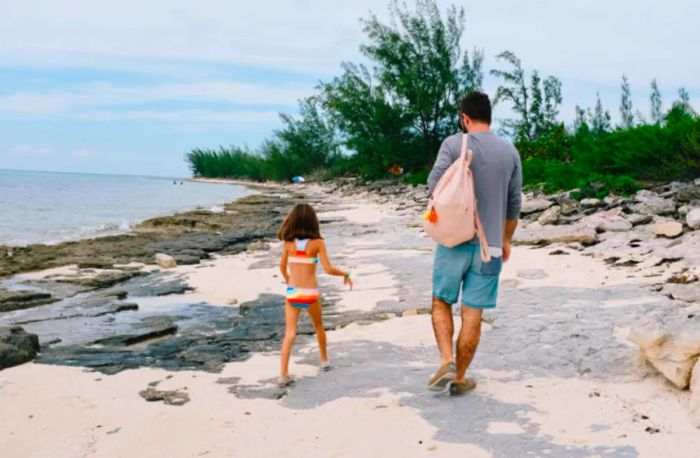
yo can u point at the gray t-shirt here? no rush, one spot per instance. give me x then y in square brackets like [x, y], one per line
[497, 179]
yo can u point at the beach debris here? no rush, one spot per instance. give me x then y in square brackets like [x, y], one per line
[298, 179]
[17, 346]
[165, 261]
[669, 229]
[550, 216]
[692, 219]
[171, 398]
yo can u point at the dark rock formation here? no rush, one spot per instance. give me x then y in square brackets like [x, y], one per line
[17, 346]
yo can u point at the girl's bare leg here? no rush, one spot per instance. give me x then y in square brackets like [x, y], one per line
[291, 317]
[317, 320]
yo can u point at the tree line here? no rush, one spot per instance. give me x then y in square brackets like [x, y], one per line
[390, 115]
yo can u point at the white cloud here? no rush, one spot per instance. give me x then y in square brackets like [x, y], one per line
[27, 151]
[110, 95]
[591, 40]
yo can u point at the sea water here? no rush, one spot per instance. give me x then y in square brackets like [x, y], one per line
[47, 207]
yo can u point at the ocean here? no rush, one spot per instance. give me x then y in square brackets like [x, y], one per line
[47, 207]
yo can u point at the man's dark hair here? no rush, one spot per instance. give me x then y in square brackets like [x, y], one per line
[477, 106]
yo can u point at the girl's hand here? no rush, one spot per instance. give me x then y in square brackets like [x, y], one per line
[348, 281]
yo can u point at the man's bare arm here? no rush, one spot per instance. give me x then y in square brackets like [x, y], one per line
[509, 230]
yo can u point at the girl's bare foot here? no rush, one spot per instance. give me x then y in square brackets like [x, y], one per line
[325, 365]
[284, 380]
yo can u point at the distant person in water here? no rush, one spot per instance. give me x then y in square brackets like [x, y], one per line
[460, 270]
[303, 249]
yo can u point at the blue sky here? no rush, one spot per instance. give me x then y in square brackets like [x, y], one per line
[130, 87]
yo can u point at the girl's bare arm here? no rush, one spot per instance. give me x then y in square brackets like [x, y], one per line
[283, 263]
[329, 268]
[326, 263]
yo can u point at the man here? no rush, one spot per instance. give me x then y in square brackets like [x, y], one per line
[498, 181]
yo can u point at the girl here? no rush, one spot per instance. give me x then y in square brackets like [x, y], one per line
[303, 247]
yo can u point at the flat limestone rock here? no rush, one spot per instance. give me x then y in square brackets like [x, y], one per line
[669, 229]
[532, 274]
[536, 234]
[694, 408]
[636, 219]
[673, 354]
[16, 300]
[685, 292]
[535, 205]
[607, 221]
[17, 346]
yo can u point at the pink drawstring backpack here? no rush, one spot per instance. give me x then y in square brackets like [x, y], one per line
[452, 217]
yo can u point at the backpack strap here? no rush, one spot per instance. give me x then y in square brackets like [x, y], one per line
[483, 242]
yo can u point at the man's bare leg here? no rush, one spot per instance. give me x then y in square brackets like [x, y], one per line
[443, 326]
[468, 340]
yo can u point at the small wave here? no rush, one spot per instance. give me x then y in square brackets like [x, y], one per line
[217, 209]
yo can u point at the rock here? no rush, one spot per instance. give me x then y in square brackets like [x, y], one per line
[535, 205]
[16, 300]
[232, 301]
[532, 274]
[549, 216]
[591, 203]
[171, 398]
[694, 408]
[535, 234]
[651, 203]
[17, 346]
[692, 219]
[607, 221]
[688, 193]
[668, 229]
[165, 261]
[258, 246]
[636, 219]
[689, 292]
[568, 206]
[612, 201]
[673, 355]
[131, 339]
[683, 210]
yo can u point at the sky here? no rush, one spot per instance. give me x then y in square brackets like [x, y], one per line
[131, 86]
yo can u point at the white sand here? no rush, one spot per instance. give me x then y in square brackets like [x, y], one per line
[373, 403]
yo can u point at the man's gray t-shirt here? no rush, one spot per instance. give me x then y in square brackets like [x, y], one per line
[497, 179]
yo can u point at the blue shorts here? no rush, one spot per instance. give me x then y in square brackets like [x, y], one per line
[461, 268]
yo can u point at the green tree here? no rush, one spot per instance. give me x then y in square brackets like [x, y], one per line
[401, 109]
[579, 119]
[626, 113]
[599, 117]
[655, 101]
[536, 107]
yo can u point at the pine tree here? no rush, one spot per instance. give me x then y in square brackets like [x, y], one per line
[580, 118]
[626, 113]
[655, 99]
[600, 117]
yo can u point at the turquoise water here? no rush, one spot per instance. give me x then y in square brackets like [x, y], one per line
[45, 207]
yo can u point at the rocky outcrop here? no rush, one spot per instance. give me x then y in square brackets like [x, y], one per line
[16, 300]
[672, 353]
[694, 409]
[607, 221]
[17, 346]
[550, 216]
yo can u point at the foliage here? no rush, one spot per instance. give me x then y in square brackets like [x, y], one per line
[394, 110]
[537, 106]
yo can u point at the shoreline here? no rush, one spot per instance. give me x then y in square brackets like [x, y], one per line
[556, 343]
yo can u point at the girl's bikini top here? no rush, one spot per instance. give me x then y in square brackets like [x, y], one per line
[300, 256]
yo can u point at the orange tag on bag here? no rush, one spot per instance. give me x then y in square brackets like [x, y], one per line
[430, 215]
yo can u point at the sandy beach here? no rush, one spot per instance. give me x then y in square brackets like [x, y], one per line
[556, 373]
